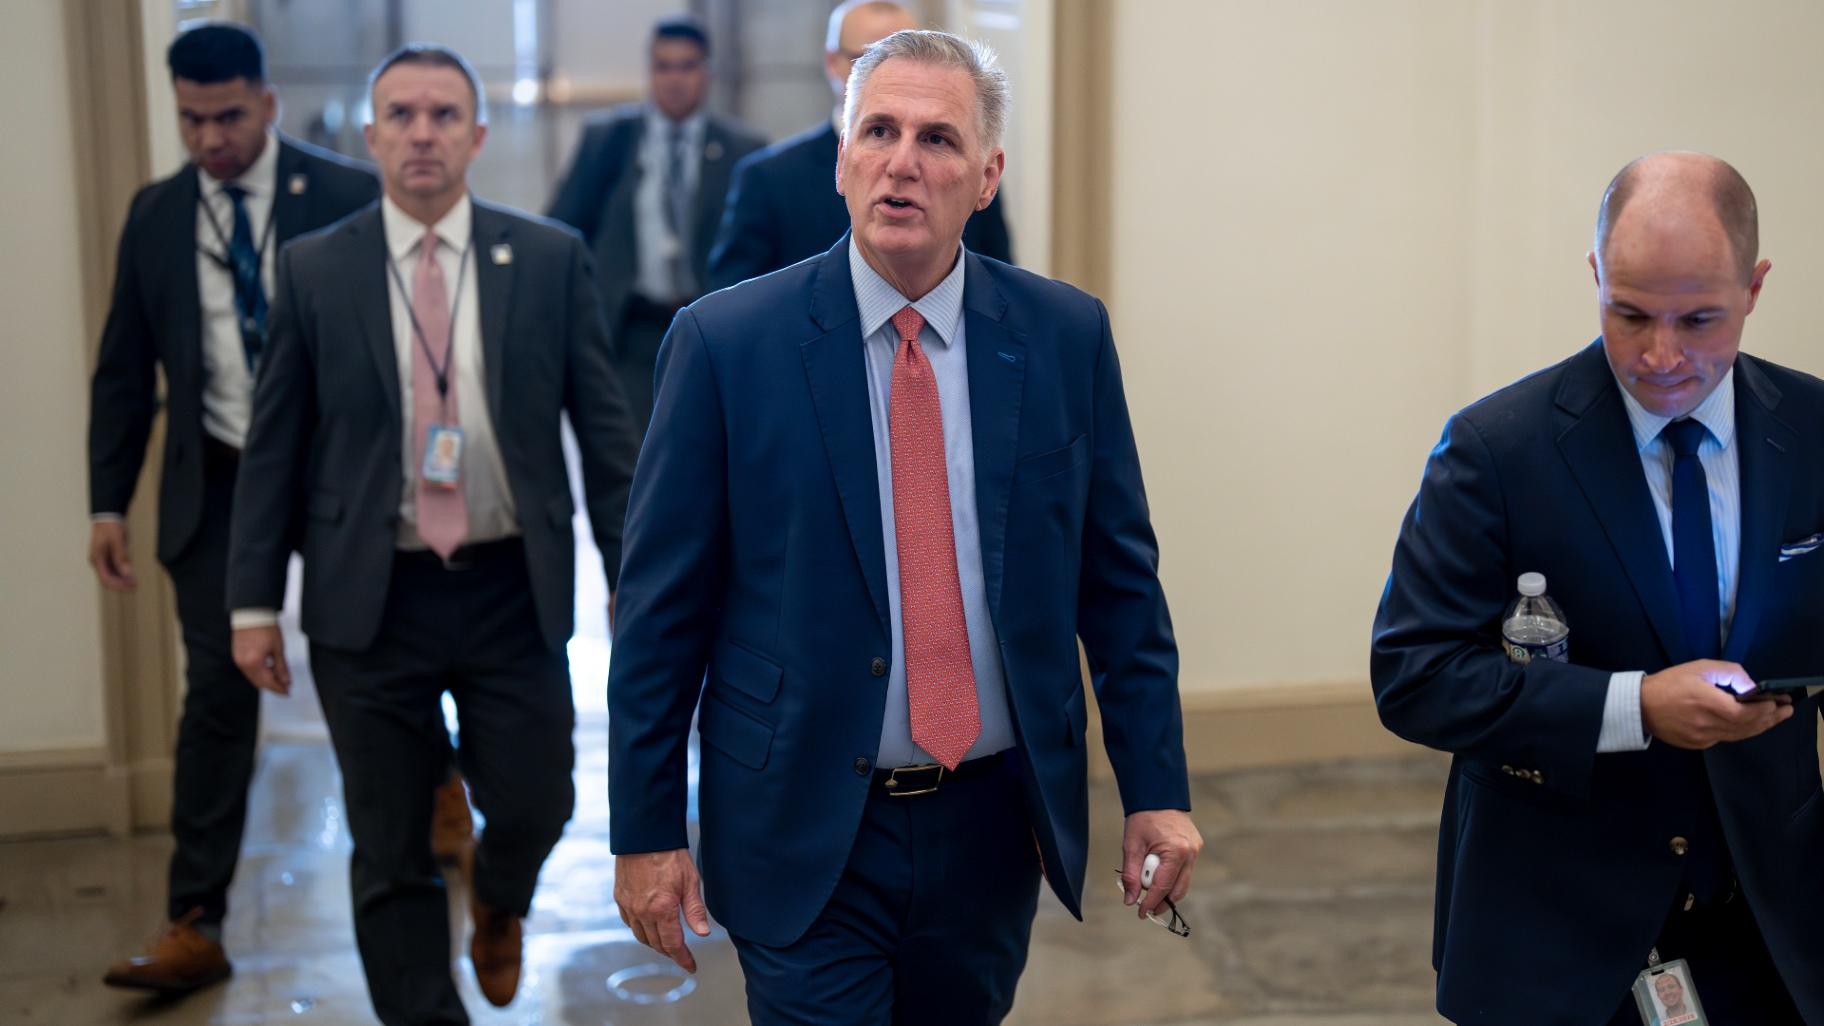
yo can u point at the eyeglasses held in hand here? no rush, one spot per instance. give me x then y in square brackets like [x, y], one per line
[1173, 922]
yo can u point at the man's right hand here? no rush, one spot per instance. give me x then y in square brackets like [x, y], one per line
[260, 653]
[108, 555]
[653, 888]
[1693, 705]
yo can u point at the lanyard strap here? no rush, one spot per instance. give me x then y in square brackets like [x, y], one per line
[221, 259]
[441, 374]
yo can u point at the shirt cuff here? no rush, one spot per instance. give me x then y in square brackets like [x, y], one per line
[106, 518]
[1621, 727]
[243, 619]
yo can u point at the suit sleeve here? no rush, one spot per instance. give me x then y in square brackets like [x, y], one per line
[605, 433]
[269, 486]
[1440, 676]
[747, 244]
[123, 394]
[583, 190]
[986, 233]
[671, 588]
[1121, 613]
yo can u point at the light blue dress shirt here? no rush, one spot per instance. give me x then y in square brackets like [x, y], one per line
[944, 346]
[1621, 726]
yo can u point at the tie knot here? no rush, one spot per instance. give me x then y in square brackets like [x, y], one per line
[427, 246]
[908, 322]
[235, 193]
[1685, 434]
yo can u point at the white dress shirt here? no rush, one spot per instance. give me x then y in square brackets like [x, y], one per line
[1622, 730]
[227, 383]
[484, 476]
[652, 234]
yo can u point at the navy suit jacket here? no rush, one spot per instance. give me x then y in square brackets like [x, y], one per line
[155, 320]
[1555, 871]
[754, 549]
[783, 207]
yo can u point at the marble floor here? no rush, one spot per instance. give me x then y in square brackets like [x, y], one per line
[1312, 906]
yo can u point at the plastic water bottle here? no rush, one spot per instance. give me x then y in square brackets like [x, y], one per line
[1535, 627]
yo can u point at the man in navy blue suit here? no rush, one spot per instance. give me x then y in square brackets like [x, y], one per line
[783, 206]
[883, 495]
[1623, 808]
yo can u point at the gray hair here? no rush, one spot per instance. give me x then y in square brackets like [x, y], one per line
[943, 50]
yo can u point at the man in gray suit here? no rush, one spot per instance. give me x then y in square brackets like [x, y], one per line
[406, 437]
[646, 189]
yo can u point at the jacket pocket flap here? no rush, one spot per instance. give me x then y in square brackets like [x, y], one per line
[734, 733]
[746, 672]
[1040, 466]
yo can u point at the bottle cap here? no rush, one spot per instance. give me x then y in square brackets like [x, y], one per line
[1532, 585]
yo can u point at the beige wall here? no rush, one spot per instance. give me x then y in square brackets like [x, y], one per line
[1333, 223]
[50, 628]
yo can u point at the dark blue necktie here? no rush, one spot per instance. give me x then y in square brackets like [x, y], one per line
[249, 293]
[1693, 543]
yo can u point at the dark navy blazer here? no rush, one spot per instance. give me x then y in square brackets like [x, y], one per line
[753, 548]
[1555, 867]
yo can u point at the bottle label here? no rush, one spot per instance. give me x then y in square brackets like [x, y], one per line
[1557, 651]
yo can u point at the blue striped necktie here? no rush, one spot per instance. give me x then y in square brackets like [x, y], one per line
[249, 291]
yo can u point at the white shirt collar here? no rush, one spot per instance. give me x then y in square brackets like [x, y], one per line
[691, 126]
[404, 232]
[878, 300]
[1716, 412]
[259, 179]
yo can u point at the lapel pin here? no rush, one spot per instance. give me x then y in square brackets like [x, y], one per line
[298, 184]
[502, 254]
[712, 150]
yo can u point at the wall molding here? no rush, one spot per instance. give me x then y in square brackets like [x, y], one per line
[63, 791]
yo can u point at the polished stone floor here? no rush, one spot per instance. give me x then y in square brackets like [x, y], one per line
[1312, 906]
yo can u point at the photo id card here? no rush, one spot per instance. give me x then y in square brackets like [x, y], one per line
[443, 456]
[1666, 997]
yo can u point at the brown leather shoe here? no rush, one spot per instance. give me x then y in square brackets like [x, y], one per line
[452, 828]
[180, 960]
[495, 950]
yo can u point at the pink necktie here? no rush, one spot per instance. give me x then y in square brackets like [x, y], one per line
[940, 679]
[443, 515]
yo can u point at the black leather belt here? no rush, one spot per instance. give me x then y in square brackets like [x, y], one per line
[908, 781]
[469, 556]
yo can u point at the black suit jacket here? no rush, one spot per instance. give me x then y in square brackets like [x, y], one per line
[596, 196]
[156, 319]
[1555, 868]
[327, 426]
[784, 207]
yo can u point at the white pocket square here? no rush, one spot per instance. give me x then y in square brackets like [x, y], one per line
[1794, 550]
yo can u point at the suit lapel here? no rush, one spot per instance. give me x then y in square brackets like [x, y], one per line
[712, 189]
[494, 266]
[179, 224]
[834, 365]
[997, 377]
[1765, 447]
[1600, 450]
[369, 299]
[291, 197]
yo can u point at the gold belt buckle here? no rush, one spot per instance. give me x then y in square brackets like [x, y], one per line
[893, 783]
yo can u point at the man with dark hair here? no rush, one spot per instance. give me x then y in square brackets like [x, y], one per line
[1626, 807]
[646, 188]
[407, 434]
[191, 289]
[783, 205]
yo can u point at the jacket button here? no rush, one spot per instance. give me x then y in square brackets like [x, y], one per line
[1679, 846]
[862, 765]
[1537, 777]
[878, 667]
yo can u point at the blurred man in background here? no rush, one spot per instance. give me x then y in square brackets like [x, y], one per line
[646, 189]
[192, 285]
[784, 207]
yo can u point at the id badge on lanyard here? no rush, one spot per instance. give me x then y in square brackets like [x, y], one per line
[442, 456]
[1666, 997]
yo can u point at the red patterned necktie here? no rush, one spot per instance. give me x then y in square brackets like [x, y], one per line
[940, 679]
[443, 515]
